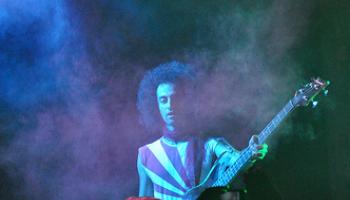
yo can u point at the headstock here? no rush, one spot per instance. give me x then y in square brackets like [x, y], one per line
[306, 94]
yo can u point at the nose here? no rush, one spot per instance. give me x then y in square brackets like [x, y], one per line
[168, 104]
[172, 104]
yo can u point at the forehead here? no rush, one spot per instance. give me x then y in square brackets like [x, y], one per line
[165, 89]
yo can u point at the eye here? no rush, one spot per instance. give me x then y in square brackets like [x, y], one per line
[163, 100]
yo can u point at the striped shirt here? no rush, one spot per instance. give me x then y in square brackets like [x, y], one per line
[175, 167]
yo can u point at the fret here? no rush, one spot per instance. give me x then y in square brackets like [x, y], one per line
[270, 127]
[275, 124]
[224, 180]
[235, 168]
[284, 111]
[239, 163]
[233, 171]
[280, 118]
[262, 136]
[267, 131]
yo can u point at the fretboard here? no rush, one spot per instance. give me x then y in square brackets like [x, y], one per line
[246, 154]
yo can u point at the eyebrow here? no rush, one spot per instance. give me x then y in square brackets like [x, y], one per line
[163, 95]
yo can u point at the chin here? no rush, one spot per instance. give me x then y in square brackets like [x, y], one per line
[171, 122]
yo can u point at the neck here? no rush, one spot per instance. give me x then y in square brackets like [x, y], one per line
[175, 134]
[170, 128]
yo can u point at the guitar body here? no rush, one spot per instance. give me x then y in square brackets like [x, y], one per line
[209, 186]
[195, 192]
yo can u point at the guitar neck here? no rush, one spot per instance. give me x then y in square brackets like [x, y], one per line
[268, 130]
[246, 154]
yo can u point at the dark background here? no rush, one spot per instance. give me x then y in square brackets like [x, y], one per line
[69, 127]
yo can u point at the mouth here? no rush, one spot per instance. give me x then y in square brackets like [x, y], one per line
[171, 114]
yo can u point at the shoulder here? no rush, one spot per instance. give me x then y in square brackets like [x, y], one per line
[150, 145]
[144, 150]
[219, 145]
[213, 141]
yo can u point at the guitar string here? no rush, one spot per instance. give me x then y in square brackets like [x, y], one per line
[232, 172]
[234, 169]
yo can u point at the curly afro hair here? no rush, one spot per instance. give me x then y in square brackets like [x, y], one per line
[172, 72]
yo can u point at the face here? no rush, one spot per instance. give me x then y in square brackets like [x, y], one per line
[171, 105]
[165, 93]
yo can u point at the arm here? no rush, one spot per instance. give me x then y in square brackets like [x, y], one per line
[225, 151]
[145, 183]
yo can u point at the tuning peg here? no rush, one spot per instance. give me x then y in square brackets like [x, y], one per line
[325, 92]
[314, 104]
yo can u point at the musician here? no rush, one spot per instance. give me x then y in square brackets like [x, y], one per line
[181, 158]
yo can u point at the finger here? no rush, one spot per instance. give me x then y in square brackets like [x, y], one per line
[259, 147]
[254, 140]
[257, 155]
[263, 146]
[262, 151]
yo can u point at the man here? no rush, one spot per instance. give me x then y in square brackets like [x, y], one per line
[181, 158]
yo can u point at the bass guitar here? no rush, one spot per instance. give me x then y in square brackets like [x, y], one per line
[303, 97]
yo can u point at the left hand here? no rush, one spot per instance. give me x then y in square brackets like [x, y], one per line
[259, 150]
